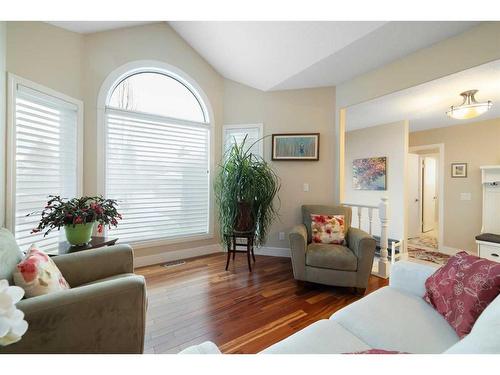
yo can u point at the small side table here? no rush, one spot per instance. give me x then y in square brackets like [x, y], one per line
[232, 244]
[95, 242]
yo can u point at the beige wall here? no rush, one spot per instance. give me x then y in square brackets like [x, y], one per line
[309, 110]
[391, 141]
[46, 55]
[475, 144]
[3, 51]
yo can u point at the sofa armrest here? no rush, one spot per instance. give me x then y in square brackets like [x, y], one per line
[91, 265]
[410, 276]
[104, 317]
[298, 247]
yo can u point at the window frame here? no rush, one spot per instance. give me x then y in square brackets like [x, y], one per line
[105, 92]
[10, 196]
[259, 126]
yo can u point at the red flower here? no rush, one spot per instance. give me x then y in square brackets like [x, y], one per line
[78, 220]
[100, 228]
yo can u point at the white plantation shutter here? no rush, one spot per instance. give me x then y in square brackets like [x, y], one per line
[236, 134]
[158, 170]
[45, 159]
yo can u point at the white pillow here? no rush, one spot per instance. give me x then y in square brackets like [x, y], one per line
[37, 274]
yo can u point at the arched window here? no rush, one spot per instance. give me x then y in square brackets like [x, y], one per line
[157, 134]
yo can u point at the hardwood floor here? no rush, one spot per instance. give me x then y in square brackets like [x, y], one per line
[241, 312]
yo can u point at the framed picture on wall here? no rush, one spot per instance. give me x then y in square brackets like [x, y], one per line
[369, 173]
[459, 170]
[304, 146]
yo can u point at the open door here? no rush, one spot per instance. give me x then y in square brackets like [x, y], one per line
[414, 223]
[429, 193]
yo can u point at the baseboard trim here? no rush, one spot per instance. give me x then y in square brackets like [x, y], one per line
[168, 256]
[273, 251]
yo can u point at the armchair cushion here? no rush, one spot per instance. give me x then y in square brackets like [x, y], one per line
[307, 210]
[335, 257]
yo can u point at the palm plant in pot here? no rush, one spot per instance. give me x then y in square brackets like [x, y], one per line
[245, 188]
[78, 216]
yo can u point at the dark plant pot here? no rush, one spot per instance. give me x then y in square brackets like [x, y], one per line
[244, 220]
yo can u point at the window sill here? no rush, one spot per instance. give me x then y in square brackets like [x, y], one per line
[170, 241]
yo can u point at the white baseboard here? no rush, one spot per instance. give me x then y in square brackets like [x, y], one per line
[449, 250]
[273, 251]
[168, 256]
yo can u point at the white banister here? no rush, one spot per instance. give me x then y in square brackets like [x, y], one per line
[370, 220]
[383, 213]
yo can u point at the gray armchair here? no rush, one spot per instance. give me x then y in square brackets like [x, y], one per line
[103, 312]
[329, 264]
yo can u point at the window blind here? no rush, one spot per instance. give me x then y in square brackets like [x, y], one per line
[46, 160]
[236, 134]
[158, 170]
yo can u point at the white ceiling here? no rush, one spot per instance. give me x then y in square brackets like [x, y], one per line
[425, 105]
[287, 55]
[87, 27]
[280, 55]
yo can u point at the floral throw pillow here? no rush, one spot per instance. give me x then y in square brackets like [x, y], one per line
[328, 229]
[462, 289]
[378, 351]
[37, 274]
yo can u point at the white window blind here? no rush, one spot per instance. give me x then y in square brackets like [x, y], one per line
[46, 160]
[236, 134]
[158, 170]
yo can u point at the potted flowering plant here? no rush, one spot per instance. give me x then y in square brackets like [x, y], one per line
[78, 217]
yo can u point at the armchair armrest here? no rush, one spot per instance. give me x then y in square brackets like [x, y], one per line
[410, 276]
[298, 247]
[104, 317]
[360, 242]
[91, 265]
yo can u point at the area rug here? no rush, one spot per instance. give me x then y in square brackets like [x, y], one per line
[427, 255]
[424, 240]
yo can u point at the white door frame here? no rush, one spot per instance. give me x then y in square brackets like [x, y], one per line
[440, 184]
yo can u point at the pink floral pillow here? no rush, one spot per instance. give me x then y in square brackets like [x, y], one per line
[328, 229]
[462, 289]
[37, 274]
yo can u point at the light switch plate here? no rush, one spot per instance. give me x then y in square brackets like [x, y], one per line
[465, 196]
[306, 186]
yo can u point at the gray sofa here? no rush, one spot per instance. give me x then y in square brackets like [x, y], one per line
[337, 265]
[103, 312]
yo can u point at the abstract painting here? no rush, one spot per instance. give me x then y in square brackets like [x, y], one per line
[295, 146]
[369, 174]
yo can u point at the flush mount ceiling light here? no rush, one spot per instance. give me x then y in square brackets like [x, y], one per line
[470, 108]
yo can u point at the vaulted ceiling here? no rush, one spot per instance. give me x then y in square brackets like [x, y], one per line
[290, 55]
[279, 55]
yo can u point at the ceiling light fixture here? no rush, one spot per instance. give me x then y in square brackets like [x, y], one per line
[470, 108]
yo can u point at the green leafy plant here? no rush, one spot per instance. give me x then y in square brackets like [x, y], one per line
[246, 179]
[59, 212]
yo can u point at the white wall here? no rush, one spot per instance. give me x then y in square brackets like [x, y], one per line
[391, 141]
[3, 100]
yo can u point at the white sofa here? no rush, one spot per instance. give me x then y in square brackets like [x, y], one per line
[392, 318]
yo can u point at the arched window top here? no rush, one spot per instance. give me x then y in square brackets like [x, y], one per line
[158, 93]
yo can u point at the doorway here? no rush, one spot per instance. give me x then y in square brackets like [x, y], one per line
[425, 176]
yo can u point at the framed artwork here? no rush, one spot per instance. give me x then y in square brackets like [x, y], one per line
[369, 173]
[459, 170]
[295, 146]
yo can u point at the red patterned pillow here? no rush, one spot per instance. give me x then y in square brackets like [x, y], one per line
[328, 229]
[462, 289]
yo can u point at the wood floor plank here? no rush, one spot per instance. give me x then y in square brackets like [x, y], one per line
[241, 311]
